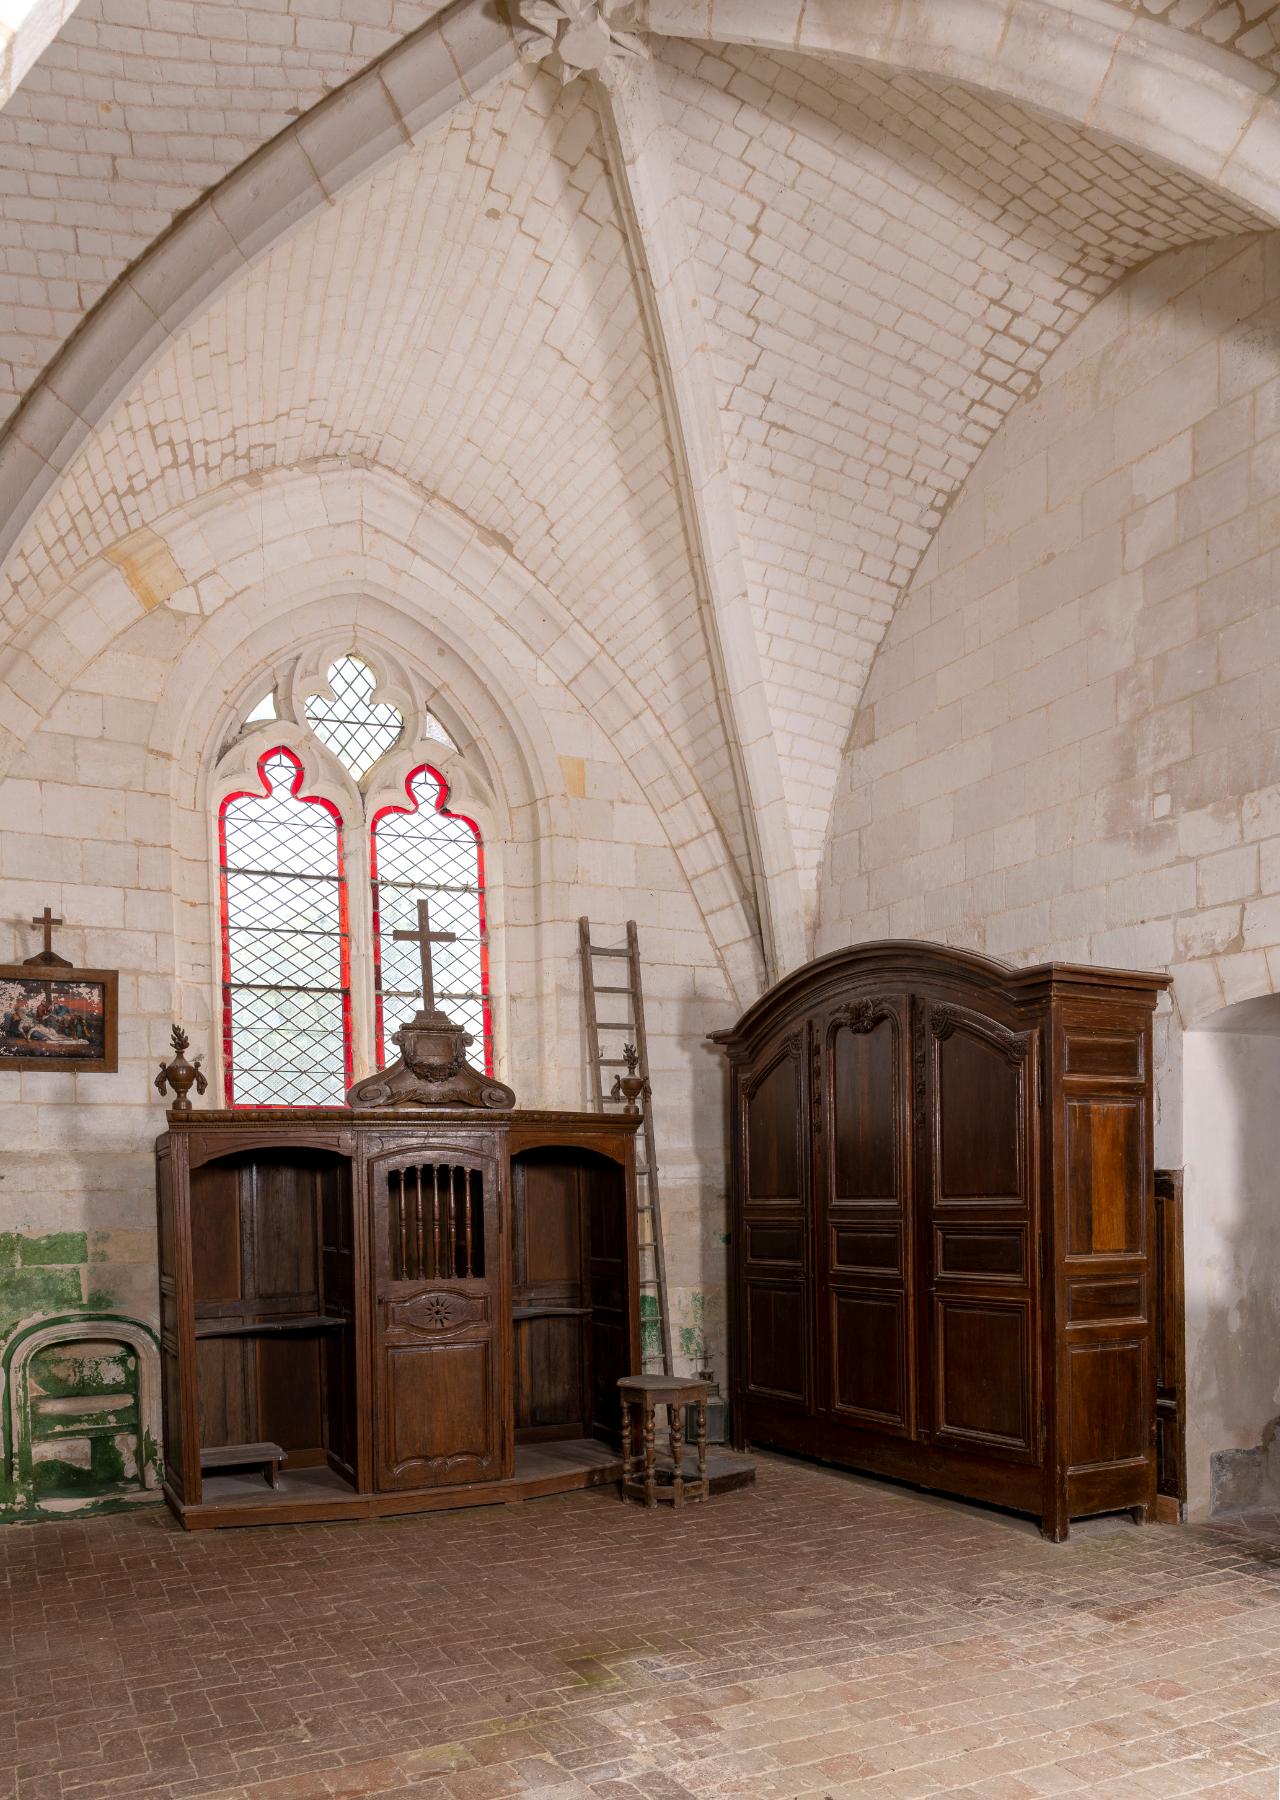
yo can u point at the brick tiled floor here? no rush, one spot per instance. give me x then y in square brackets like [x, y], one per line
[817, 1635]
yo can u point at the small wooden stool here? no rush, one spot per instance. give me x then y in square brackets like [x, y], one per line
[648, 1392]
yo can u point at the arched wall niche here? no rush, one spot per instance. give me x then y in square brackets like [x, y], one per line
[1232, 1235]
[502, 773]
[119, 1389]
[108, 798]
[324, 533]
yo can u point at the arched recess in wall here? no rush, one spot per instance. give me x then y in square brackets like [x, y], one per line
[1231, 1137]
[1146, 83]
[246, 552]
[502, 771]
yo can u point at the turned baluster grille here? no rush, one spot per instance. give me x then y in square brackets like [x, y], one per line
[436, 1223]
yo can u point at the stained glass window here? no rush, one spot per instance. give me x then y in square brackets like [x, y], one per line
[286, 983]
[357, 731]
[421, 850]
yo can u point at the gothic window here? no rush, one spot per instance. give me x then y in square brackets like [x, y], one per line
[423, 851]
[325, 850]
[286, 982]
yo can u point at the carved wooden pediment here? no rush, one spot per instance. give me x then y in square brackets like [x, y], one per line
[432, 1070]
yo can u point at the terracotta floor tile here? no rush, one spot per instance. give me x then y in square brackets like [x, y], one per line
[819, 1635]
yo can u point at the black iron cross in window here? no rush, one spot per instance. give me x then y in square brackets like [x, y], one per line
[424, 937]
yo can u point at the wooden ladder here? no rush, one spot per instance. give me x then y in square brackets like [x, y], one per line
[656, 1347]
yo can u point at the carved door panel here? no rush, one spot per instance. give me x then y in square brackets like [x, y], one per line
[776, 1290]
[440, 1306]
[864, 1248]
[978, 1219]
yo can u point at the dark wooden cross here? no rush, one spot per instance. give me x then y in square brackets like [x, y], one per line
[424, 937]
[47, 958]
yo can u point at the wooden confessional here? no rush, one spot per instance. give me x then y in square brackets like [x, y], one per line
[425, 1298]
[943, 1226]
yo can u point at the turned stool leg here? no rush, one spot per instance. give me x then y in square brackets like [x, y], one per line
[702, 1449]
[674, 1423]
[650, 1466]
[626, 1448]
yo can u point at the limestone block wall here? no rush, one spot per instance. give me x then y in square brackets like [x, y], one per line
[1070, 740]
[105, 816]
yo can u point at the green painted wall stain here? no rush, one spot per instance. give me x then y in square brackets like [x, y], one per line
[96, 1454]
[692, 1337]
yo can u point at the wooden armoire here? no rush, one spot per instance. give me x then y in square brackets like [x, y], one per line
[942, 1226]
[425, 1298]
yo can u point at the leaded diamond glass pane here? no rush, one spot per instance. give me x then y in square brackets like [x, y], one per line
[358, 732]
[429, 853]
[286, 988]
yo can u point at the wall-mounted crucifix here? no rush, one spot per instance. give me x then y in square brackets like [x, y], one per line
[424, 937]
[48, 957]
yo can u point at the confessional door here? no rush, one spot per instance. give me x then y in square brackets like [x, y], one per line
[978, 1219]
[442, 1411]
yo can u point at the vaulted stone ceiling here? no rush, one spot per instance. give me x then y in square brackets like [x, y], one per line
[132, 112]
[887, 262]
[881, 263]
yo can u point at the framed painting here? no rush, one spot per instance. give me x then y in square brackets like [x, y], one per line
[58, 1018]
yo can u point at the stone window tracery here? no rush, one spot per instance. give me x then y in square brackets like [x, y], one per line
[332, 823]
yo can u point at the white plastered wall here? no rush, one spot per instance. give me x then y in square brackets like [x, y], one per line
[1232, 1232]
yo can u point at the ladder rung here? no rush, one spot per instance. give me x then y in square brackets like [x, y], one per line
[595, 951]
[601, 989]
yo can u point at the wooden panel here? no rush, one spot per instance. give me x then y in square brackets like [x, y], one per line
[980, 1372]
[228, 1399]
[868, 1333]
[773, 1119]
[1105, 1177]
[866, 1247]
[290, 1395]
[1109, 1404]
[992, 1252]
[864, 1074]
[285, 1230]
[777, 1330]
[551, 1237]
[979, 1120]
[1103, 1302]
[549, 1373]
[338, 1296]
[1170, 1339]
[171, 1394]
[1114, 1054]
[610, 1361]
[440, 1409]
[604, 1200]
[215, 1232]
[769, 1241]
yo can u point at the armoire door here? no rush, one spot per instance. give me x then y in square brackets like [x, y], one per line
[864, 1249]
[440, 1305]
[774, 1378]
[978, 1210]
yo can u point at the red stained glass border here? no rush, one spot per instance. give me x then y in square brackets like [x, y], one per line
[442, 794]
[344, 922]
